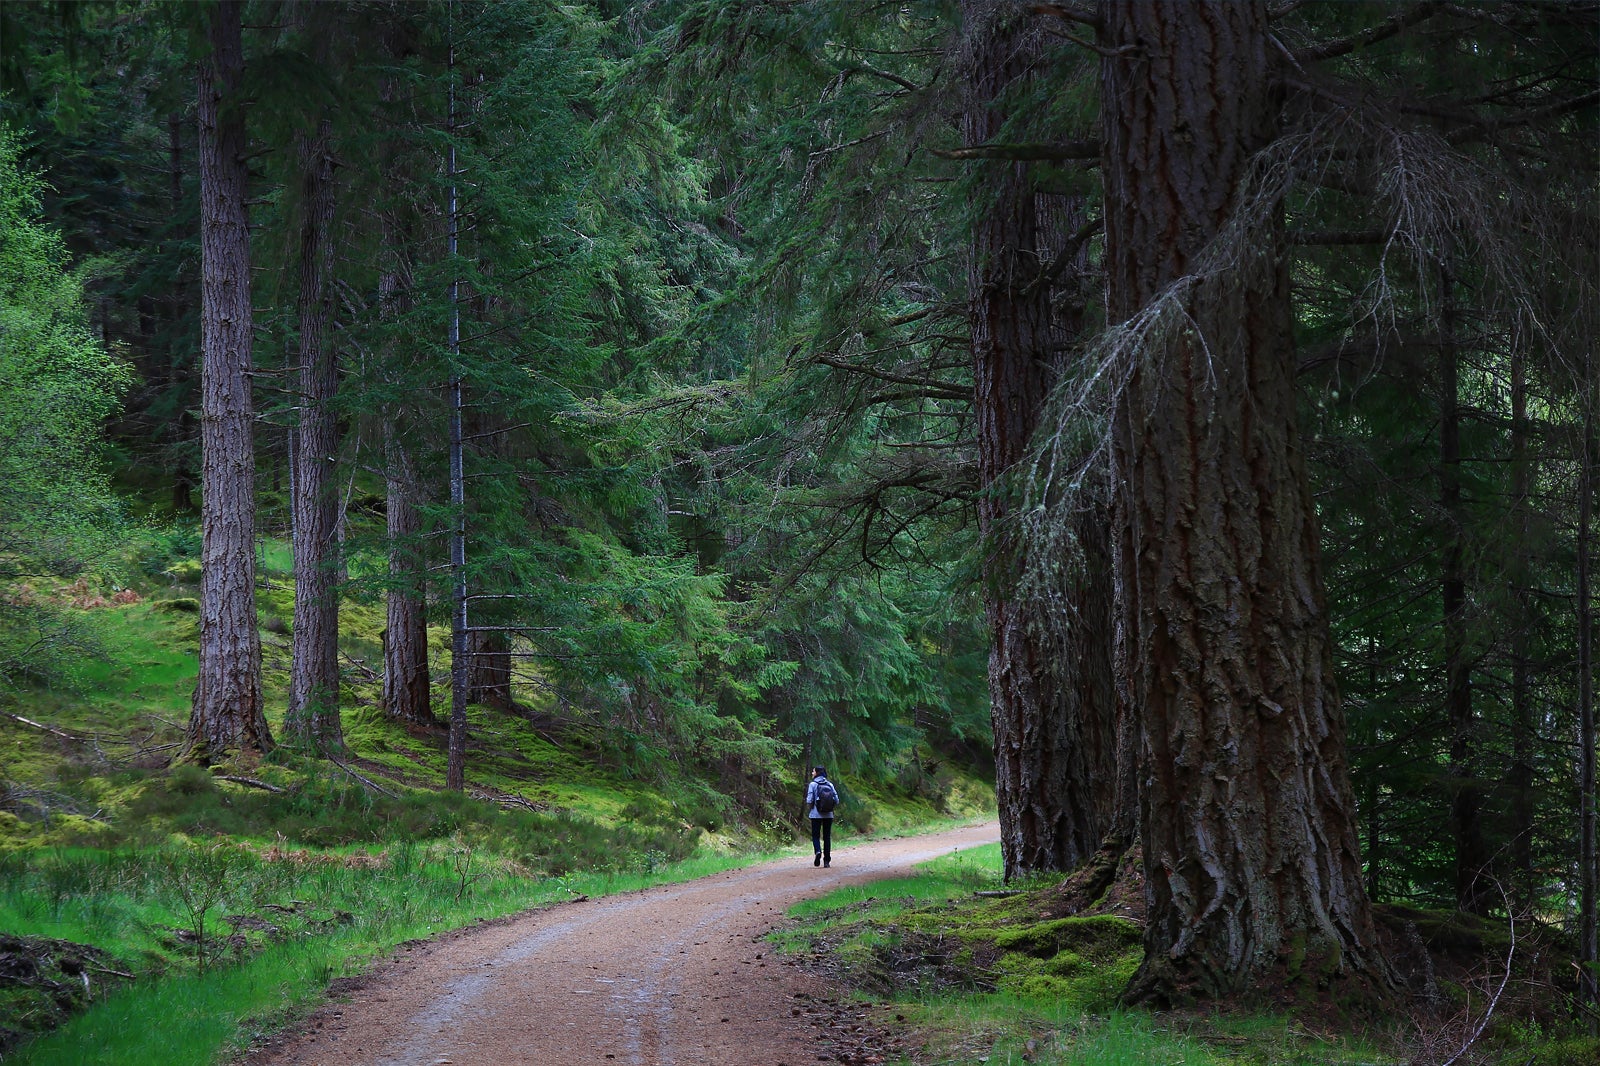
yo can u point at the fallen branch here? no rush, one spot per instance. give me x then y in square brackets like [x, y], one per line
[364, 780]
[252, 782]
[1000, 893]
[52, 730]
[113, 973]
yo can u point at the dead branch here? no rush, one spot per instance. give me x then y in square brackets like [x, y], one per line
[252, 782]
[40, 725]
[932, 388]
[368, 782]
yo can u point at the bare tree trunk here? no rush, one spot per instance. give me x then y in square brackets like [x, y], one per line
[406, 694]
[313, 714]
[1045, 700]
[227, 714]
[1251, 855]
[1588, 942]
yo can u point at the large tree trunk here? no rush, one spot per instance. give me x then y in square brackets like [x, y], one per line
[313, 715]
[227, 714]
[1047, 700]
[1252, 866]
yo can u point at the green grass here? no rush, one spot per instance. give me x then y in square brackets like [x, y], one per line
[340, 918]
[105, 848]
[993, 980]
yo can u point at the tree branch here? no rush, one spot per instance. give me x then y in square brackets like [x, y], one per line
[1372, 35]
[1560, 107]
[1027, 153]
[935, 388]
[909, 86]
[1068, 13]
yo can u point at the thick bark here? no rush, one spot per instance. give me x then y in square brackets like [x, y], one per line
[1051, 705]
[227, 714]
[1252, 866]
[313, 714]
[406, 694]
[1466, 794]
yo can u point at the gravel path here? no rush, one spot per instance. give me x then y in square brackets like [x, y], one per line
[676, 975]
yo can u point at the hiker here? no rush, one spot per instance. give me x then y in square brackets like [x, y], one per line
[821, 799]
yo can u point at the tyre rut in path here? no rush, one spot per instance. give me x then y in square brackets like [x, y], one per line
[676, 975]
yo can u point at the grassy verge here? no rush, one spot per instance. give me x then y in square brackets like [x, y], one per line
[164, 913]
[327, 917]
[991, 979]
[229, 939]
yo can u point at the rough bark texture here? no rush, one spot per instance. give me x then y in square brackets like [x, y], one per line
[405, 637]
[227, 714]
[1253, 877]
[313, 715]
[1051, 705]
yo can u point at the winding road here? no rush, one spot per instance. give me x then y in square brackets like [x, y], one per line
[676, 975]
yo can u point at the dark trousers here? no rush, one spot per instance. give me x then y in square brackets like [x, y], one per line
[822, 837]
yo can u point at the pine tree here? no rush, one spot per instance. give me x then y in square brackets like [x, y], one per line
[1250, 850]
[228, 715]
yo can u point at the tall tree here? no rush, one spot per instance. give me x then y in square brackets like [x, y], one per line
[1248, 818]
[1051, 699]
[228, 713]
[313, 713]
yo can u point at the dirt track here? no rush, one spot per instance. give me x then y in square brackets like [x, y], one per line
[671, 976]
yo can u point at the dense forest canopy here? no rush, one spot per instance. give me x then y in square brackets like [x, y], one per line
[1189, 406]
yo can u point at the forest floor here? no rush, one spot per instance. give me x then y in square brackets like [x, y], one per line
[678, 975]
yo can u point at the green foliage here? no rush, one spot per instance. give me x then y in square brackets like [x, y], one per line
[57, 385]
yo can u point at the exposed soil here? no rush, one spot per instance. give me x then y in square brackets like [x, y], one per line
[672, 976]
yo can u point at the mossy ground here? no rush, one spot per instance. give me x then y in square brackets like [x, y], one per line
[1011, 979]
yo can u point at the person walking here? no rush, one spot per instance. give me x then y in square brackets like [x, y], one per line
[821, 799]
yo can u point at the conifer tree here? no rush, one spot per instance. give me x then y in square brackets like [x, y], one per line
[1250, 849]
[228, 714]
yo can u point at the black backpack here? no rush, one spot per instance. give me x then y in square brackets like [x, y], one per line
[827, 796]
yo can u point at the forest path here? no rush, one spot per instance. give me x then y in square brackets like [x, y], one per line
[676, 975]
